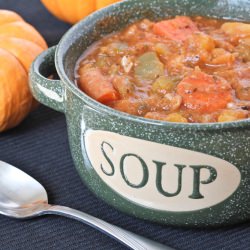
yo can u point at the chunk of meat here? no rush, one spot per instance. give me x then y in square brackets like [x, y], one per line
[242, 86]
[169, 102]
[123, 85]
[133, 107]
[174, 117]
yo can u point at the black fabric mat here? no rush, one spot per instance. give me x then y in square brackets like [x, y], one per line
[39, 146]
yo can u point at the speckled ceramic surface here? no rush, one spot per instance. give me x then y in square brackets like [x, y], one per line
[177, 174]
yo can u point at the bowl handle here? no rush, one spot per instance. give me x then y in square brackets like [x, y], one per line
[47, 91]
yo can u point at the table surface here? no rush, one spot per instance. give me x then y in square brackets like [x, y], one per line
[39, 146]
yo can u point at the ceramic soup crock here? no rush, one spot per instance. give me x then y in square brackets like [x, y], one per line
[172, 173]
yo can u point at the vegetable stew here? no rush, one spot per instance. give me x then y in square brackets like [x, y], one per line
[177, 70]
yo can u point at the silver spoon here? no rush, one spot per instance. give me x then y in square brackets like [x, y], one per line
[22, 197]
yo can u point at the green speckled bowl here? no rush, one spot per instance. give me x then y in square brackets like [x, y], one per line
[177, 174]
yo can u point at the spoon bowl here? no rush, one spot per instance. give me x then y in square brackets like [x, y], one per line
[21, 197]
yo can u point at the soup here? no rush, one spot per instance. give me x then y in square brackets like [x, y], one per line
[188, 70]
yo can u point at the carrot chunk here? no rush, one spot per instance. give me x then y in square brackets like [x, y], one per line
[178, 28]
[97, 86]
[204, 93]
[133, 107]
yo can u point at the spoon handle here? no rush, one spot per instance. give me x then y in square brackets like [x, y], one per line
[129, 239]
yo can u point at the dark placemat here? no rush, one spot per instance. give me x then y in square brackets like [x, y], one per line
[39, 146]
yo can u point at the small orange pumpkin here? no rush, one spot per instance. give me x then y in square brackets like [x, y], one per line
[73, 11]
[20, 43]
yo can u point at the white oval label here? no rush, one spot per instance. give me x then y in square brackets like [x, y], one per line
[159, 176]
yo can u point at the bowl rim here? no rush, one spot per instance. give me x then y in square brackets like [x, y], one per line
[59, 55]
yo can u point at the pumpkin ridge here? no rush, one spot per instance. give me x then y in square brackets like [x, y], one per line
[24, 50]
[7, 16]
[12, 92]
[21, 29]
